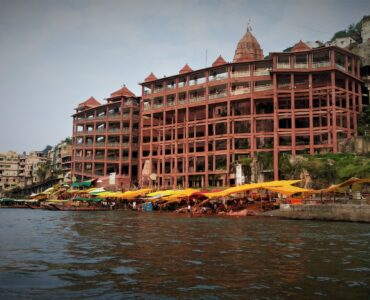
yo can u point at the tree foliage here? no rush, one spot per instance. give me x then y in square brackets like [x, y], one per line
[326, 169]
[43, 170]
[363, 123]
[353, 30]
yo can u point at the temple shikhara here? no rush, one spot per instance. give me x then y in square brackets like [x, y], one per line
[191, 129]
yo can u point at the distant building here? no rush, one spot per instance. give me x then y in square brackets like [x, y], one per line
[28, 166]
[105, 139]
[342, 42]
[9, 169]
[61, 160]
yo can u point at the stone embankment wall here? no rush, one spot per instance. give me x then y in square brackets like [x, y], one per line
[330, 212]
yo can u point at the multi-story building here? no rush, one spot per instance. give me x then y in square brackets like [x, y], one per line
[9, 169]
[61, 159]
[196, 124]
[105, 139]
[28, 166]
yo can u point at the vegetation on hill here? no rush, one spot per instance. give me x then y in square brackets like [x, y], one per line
[353, 30]
[326, 169]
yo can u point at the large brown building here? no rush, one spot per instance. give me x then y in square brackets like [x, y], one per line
[105, 139]
[196, 124]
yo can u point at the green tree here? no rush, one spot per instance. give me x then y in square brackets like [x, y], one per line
[43, 170]
[289, 168]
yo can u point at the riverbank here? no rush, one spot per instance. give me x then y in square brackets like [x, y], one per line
[326, 212]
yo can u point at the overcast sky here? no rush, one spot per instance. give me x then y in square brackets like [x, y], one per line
[55, 54]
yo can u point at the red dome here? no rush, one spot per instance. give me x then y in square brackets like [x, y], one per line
[248, 48]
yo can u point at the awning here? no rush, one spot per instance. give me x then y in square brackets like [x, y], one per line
[288, 190]
[250, 186]
[88, 199]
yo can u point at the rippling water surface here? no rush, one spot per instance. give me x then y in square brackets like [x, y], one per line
[123, 254]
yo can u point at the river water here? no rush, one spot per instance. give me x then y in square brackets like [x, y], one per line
[124, 254]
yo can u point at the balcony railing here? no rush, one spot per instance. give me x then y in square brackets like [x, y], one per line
[158, 90]
[217, 95]
[240, 74]
[100, 129]
[240, 91]
[114, 129]
[283, 65]
[100, 144]
[126, 129]
[263, 87]
[100, 117]
[300, 65]
[114, 116]
[197, 81]
[218, 77]
[321, 64]
[171, 103]
[182, 101]
[181, 84]
[115, 158]
[197, 99]
[340, 67]
[259, 72]
[147, 107]
[99, 157]
[157, 105]
[113, 144]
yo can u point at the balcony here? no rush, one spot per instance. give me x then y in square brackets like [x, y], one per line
[181, 84]
[340, 67]
[218, 77]
[300, 66]
[240, 74]
[263, 87]
[283, 65]
[113, 144]
[321, 64]
[113, 158]
[100, 144]
[100, 117]
[100, 129]
[260, 72]
[99, 157]
[182, 101]
[114, 130]
[158, 90]
[126, 116]
[197, 99]
[240, 91]
[157, 105]
[171, 103]
[126, 130]
[114, 116]
[147, 107]
[218, 95]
